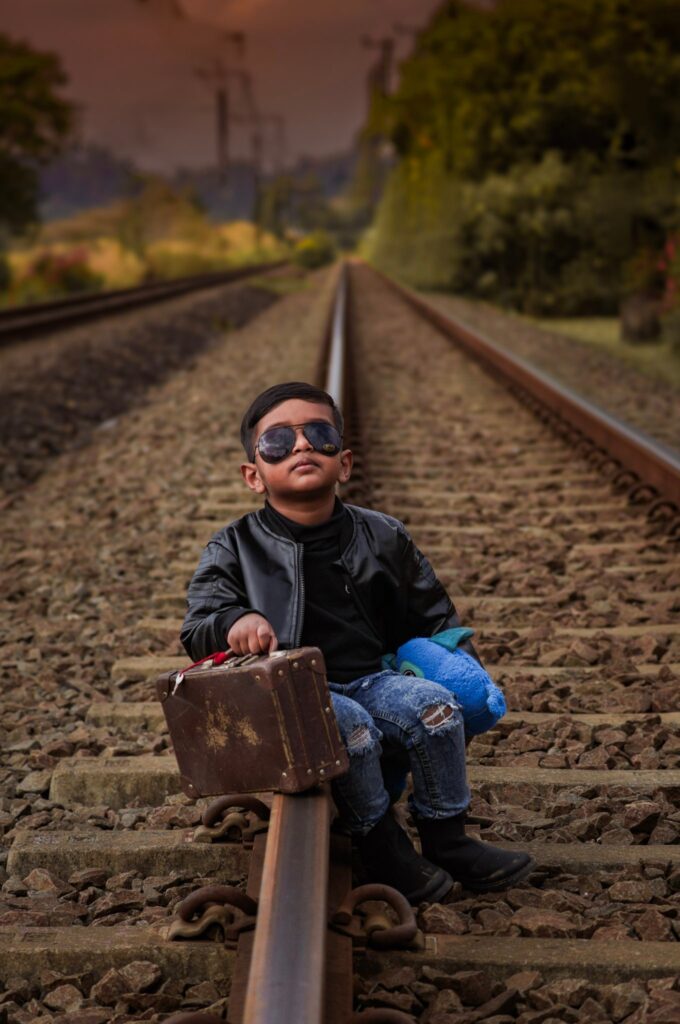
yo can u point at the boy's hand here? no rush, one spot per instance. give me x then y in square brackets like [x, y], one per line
[252, 634]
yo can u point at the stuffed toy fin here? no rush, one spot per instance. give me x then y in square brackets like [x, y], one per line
[440, 659]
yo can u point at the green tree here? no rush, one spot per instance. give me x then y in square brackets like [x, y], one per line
[488, 88]
[35, 123]
[538, 151]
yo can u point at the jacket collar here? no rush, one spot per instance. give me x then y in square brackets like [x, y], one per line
[275, 523]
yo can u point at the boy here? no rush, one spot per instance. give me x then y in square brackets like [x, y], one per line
[307, 570]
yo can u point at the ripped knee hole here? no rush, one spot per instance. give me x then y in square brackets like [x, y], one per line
[436, 715]
[359, 739]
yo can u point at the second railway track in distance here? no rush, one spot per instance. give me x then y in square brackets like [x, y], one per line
[22, 322]
[573, 593]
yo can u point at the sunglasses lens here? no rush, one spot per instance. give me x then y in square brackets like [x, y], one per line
[275, 444]
[323, 437]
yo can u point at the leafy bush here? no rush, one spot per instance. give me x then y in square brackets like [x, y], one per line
[165, 261]
[550, 237]
[314, 251]
[51, 274]
[5, 273]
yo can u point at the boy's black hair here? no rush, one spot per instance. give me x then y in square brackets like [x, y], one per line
[272, 397]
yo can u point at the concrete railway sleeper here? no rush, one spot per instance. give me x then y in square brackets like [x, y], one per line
[574, 596]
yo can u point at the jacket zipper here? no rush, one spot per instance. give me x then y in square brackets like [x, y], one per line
[300, 576]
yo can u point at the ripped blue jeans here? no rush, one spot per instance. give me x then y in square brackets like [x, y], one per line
[392, 724]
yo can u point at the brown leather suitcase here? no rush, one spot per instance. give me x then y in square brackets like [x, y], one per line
[253, 723]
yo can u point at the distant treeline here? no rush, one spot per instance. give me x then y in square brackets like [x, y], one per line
[538, 148]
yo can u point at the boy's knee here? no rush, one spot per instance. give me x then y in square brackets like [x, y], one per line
[358, 731]
[360, 739]
[436, 716]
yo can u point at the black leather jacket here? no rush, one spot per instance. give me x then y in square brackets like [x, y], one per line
[247, 566]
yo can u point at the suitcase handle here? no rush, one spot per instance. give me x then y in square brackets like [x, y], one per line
[218, 658]
[211, 660]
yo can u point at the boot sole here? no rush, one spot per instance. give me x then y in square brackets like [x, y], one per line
[432, 893]
[501, 883]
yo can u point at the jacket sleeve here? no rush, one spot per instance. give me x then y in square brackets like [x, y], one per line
[215, 600]
[429, 609]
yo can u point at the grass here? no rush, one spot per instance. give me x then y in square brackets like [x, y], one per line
[281, 284]
[655, 359]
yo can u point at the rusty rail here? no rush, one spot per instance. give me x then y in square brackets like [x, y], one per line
[286, 976]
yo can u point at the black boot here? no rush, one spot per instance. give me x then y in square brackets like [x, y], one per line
[388, 856]
[478, 866]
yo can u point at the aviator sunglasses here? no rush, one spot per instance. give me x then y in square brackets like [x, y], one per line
[277, 443]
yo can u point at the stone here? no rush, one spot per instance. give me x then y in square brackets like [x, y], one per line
[636, 890]
[89, 1015]
[174, 817]
[505, 1000]
[396, 977]
[116, 902]
[572, 991]
[662, 984]
[404, 1001]
[435, 976]
[544, 923]
[203, 993]
[425, 992]
[591, 1009]
[616, 836]
[623, 999]
[664, 834]
[142, 975]
[446, 1001]
[110, 987]
[35, 782]
[460, 1017]
[666, 998]
[442, 920]
[493, 921]
[15, 988]
[610, 933]
[598, 757]
[87, 877]
[524, 981]
[14, 886]
[652, 926]
[539, 1016]
[123, 880]
[641, 816]
[473, 987]
[64, 997]
[674, 880]
[42, 880]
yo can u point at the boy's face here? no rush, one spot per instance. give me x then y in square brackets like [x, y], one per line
[305, 473]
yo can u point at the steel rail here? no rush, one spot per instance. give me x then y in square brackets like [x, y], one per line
[335, 378]
[655, 464]
[286, 976]
[28, 322]
[289, 955]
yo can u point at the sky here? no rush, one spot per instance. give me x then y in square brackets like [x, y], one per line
[132, 66]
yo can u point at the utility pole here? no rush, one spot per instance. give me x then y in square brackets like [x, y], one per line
[218, 77]
[379, 74]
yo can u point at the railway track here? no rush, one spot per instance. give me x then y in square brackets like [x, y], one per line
[573, 591]
[45, 317]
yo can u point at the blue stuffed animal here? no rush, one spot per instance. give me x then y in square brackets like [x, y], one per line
[439, 659]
